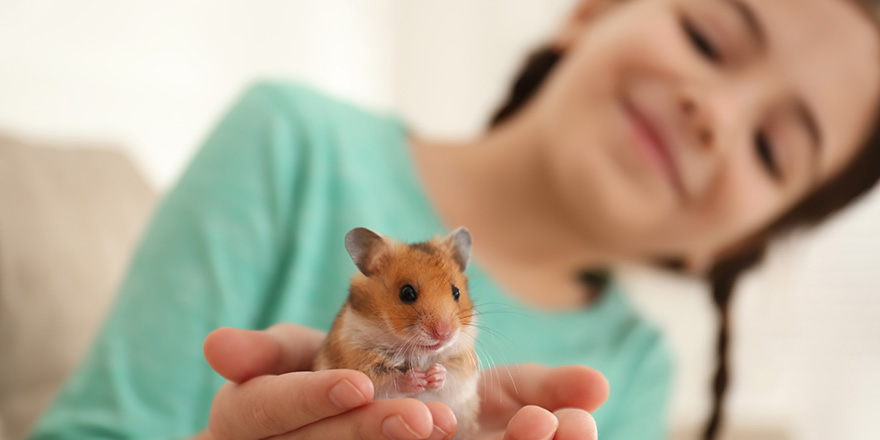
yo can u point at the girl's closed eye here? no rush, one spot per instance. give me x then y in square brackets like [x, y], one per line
[764, 151]
[701, 42]
[721, 33]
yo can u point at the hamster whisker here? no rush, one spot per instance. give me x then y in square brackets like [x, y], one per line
[484, 312]
[404, 345]
[494, 373]
[493, 346]
[466, 314]
[481, 309]
[493, 351]
[410, 348]
[409, 343]
[495, 334]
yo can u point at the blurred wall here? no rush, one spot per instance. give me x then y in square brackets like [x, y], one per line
[153, 76]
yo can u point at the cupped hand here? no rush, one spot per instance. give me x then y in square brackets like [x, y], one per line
[531, 401]
[271, 393]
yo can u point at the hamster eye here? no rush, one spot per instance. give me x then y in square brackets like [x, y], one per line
[408, 294]
[455, 293]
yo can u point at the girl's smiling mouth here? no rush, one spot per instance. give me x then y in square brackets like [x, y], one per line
[652, 141]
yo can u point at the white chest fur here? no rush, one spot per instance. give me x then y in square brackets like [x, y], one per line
[459, 390]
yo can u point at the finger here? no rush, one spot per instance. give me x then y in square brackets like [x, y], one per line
[531, 423]
[444, 421]
[574, 386]
[239, 355]
[575, 424]
[270, 405]
[398, 419]
[553, 388]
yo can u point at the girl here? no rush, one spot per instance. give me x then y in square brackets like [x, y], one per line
[648, 130]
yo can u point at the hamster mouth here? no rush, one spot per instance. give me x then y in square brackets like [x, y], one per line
[434, 347]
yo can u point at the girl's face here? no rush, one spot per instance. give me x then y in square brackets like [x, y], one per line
[679, 127]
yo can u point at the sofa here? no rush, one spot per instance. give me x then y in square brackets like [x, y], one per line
[70, 216]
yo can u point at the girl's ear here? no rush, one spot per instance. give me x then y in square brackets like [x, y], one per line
[577, 20]
[366, 248]
[459, 243]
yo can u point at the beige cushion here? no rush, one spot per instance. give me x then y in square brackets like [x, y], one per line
[69, 218]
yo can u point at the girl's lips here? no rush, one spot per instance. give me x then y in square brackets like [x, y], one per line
[650, 141]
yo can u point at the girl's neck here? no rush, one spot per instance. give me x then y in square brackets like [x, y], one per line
[498, 187]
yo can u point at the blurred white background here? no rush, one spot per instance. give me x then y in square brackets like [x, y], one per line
[153, 76]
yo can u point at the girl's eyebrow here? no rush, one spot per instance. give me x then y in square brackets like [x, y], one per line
[753, 23]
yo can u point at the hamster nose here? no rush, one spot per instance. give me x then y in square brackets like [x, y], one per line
[441, 330]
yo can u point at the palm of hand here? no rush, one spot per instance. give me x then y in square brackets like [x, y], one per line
[531, 401]
[521, 402]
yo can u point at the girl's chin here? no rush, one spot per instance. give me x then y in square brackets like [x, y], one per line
[624, 225]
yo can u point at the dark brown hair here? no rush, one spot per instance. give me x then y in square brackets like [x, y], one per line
[856, 179]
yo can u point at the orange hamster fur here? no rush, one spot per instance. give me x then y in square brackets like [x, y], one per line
[409, 323]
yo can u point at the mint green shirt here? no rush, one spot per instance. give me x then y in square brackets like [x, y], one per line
[252, 235]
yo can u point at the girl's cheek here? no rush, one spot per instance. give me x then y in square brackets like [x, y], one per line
[743, 202]
[660, 48]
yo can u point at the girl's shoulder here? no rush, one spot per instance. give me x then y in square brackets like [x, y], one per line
[313, 109]
[312, 127]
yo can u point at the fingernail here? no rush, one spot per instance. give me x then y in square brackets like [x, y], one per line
[553, 432]
[397, 429]
[345, 395]
[439, 434]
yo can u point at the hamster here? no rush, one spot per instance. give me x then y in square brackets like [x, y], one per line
[409, 323]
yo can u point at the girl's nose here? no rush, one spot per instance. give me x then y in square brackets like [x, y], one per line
[698, 121]
[723, 111]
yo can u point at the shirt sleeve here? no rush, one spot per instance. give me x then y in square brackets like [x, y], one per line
[208, 259]
[643, 409]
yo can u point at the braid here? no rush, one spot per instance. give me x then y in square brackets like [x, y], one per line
[539, 64]
[721, 290]
[723, 279]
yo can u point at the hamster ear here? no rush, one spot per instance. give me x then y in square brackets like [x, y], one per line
[365, 248]
[459, 242]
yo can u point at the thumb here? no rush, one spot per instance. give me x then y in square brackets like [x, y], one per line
[240, 355]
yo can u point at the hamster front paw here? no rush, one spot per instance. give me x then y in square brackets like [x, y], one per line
[436, 376]
[412, 382]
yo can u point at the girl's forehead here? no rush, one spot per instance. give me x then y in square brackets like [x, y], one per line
[829, 54]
